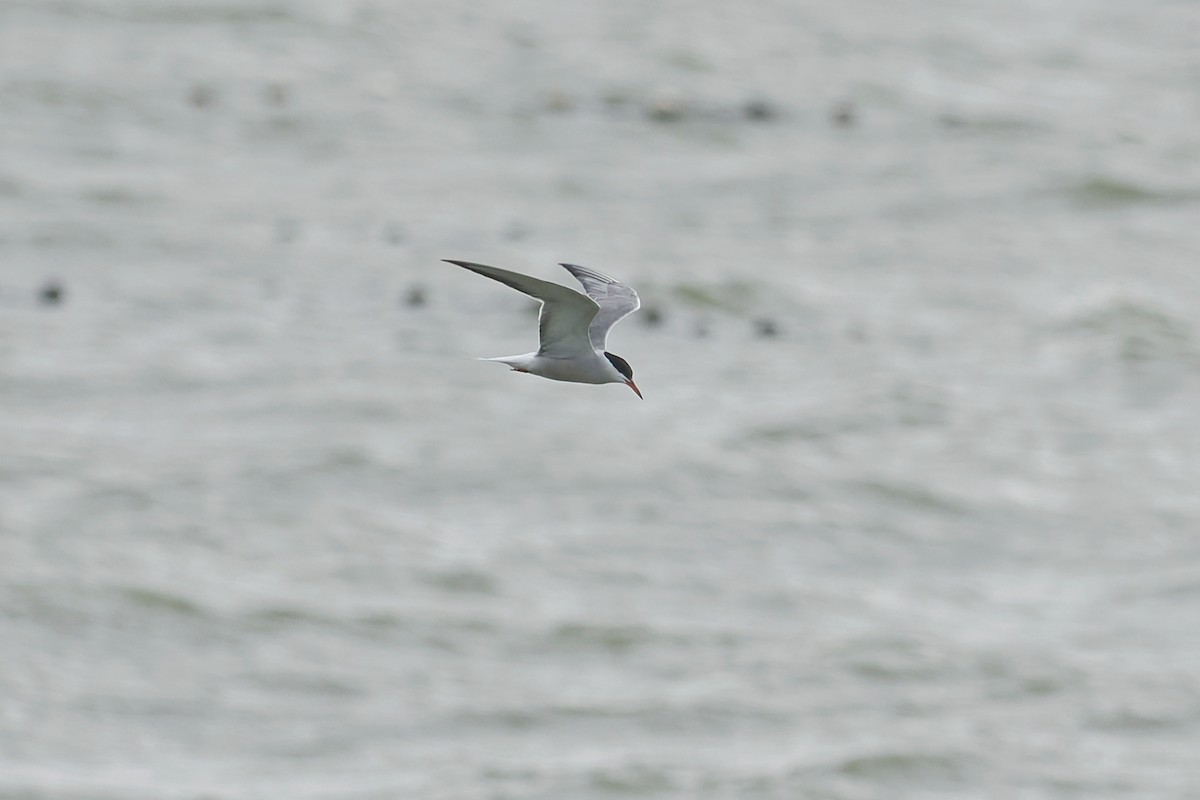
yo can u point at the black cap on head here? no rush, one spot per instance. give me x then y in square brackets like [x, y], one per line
[621, 364]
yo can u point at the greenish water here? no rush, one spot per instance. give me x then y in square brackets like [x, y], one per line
[909, 509]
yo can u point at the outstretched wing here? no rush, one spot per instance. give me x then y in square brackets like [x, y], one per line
[565, 316]
[616, 301]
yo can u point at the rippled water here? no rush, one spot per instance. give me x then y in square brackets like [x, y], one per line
[910, 508]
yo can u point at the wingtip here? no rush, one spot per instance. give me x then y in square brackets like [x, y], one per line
[578, 270]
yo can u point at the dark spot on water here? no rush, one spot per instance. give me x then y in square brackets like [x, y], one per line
[201, 96]
[276, 95]
[759, 110]
[766, 328]
[52, 293]
[415, 297]
[652, 317]
[843, 114]
[700, 329]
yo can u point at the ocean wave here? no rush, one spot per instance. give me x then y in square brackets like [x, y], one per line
[1139, 329]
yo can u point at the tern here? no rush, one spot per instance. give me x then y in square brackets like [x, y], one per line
[572, 327]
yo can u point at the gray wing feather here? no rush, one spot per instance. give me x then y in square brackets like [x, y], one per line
[616, 301]
[565, 317]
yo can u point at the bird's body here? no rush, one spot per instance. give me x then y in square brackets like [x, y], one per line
[573, 370]
[572, 327]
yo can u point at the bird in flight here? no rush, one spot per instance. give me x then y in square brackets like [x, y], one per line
[572, 328]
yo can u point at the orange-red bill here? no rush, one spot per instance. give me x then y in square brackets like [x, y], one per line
[633, 386]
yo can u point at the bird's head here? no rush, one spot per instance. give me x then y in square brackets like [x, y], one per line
[624, 370]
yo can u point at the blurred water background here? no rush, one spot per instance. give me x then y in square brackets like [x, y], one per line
[910, 510]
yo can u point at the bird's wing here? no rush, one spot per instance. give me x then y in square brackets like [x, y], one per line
[565, 316]
[616, 301]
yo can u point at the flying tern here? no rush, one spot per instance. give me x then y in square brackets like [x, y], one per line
[572, 327]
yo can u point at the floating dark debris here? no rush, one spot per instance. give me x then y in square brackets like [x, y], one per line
[843, 114]
[415, 297]
[201, 96]
[759, 110]
[52, 293]
[766, 328]
[652, 316]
